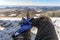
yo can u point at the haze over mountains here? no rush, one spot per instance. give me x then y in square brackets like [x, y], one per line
[45, 8]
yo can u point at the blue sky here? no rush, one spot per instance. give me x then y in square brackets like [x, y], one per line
[31, 2]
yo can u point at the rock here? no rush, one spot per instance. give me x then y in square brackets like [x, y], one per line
[5, 36]
[13, 27]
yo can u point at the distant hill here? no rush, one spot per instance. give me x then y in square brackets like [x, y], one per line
[44, 8]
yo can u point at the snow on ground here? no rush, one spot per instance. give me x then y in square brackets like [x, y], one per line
[11, 19]
[56, 22]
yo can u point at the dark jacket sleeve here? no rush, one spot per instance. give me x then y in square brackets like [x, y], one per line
[46, 31]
